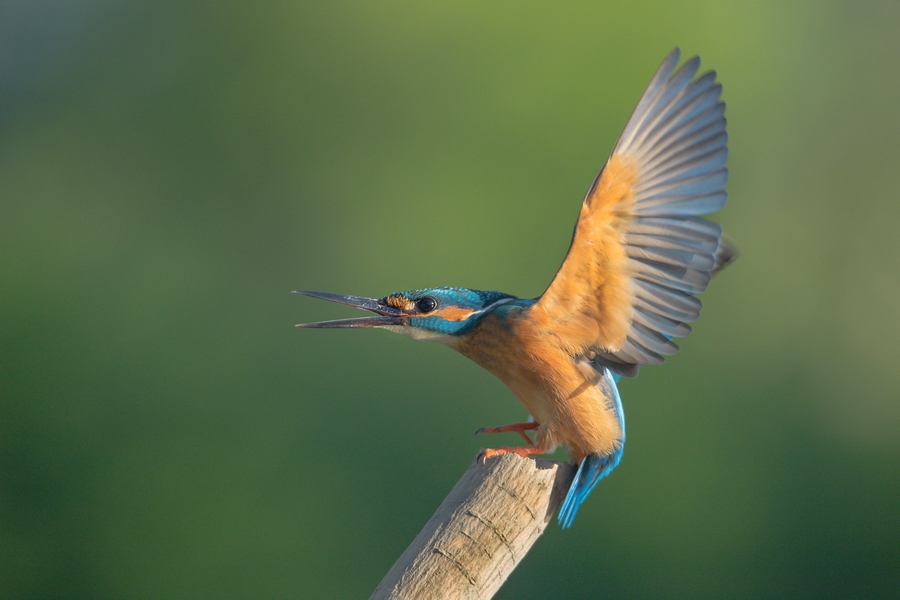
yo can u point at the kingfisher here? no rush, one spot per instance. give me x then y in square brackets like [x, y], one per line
[639, 255]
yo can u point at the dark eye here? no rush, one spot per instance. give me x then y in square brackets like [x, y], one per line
[426, 304]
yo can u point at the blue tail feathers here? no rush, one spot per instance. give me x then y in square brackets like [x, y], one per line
[594, 467]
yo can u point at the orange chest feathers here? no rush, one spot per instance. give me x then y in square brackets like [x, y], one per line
[557, 389]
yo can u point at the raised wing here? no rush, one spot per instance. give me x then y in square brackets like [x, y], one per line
[640, 253]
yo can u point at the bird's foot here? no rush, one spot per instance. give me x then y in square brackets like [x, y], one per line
[519, 428]
[523, 451]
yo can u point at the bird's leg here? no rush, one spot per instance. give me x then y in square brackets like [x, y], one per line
[522, 451]
[520, 428]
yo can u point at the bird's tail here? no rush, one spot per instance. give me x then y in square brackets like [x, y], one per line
[593, 468]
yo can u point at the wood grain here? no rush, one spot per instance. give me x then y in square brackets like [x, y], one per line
[482, 530]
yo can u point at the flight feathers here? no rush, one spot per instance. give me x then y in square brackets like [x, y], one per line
[640, 252]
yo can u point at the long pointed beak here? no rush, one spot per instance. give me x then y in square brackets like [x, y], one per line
[388, 315]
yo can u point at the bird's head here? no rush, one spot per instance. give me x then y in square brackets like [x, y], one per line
[436, 314]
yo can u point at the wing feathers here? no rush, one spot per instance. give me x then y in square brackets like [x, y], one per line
[676, 303]
[686, 115]
[640, 253]
[634, 353]
[660, 323]
[699, 185]
[658, 80]
[688, 230]
[666, 301]
[685, 168]
[671, 256]
[668, 242]
[693, 139]
[683, 205]
[653, 340]
[669, 100]
[687, 280]
[708, 142]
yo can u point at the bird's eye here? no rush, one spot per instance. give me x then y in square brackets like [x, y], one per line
[426, 304]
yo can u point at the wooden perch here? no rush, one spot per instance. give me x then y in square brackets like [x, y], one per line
[481, 531]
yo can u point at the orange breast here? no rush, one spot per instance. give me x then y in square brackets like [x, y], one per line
[558, 391]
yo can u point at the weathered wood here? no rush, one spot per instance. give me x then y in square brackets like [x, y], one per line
[481, 531]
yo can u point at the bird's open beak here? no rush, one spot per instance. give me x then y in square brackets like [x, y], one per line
[388, 315]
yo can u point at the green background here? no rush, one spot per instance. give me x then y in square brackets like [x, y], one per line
[170, 171]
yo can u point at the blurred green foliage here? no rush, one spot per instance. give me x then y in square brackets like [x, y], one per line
[169, 171]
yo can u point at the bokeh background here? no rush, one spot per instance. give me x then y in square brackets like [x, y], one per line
[170, 171]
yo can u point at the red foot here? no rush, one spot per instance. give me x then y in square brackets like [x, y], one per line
[520, 428]
[522, 451]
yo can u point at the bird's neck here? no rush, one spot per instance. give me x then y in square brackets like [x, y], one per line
[492, 342]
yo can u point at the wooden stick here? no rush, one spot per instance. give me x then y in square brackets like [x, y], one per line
[481, 531]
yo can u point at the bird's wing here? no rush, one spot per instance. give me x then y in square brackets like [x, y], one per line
[640, 253]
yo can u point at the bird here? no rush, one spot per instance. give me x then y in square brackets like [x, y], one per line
[639, 255]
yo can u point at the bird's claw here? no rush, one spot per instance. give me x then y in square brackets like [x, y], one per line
[523, 451]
